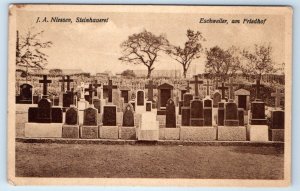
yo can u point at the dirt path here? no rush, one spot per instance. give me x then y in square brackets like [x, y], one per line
[148, 161]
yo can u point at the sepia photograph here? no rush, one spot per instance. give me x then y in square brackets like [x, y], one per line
[149, 95]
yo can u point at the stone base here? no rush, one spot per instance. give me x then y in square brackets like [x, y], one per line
[259, 133]
[198, 133]
[43, 130]
[169, 133]
[89, 132]
[232, 133]
[127, 133]
[109, 132]
[277, 135]
[149, 134]
[231, 122]
[70, 131]
[258, 121]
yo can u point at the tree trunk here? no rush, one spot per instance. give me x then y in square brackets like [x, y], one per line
[149, 72]
[184, 72]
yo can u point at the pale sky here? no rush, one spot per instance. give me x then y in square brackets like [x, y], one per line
[95, 47]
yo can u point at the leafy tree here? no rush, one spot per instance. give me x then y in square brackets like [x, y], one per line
[128, 73]
[258, 62]
[192, 50]
[29, 50]
[222, 63]
[143, 48]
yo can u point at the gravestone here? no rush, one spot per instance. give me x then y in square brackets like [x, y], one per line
[165, 92]
[180, 106]
[207, 112]
[258, 113]
[231, 114]
[223, 88]
[116, 100]
[71, 127]
[128, 117]
[44, 114]
[221, 114]
[108, 90]
[197, 82]
[242, 98]
[149, 128]
[109, 115]
[186, 110]
[277, 125]
[150, 86]
[97, 104]
[25, 94]
[148, 105]
[241, 116]
[217, 97]
[196, 116]
[90, 117]
[57, 115]
[140, 106]
[170, 114]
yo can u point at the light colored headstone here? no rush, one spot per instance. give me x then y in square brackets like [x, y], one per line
[149, 127]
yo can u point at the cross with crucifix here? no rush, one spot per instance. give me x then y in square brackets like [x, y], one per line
[257, 86]
[223, 88]
[45, 83]
[68, 80]
[207, 85]
[109, 88]
[231, 86]
[96, 85]
[91, 91]
[82, 85]
[196, 82]
[277, 95]
[150, 86]
[63, 80]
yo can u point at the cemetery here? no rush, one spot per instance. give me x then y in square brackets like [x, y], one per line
[152, 110]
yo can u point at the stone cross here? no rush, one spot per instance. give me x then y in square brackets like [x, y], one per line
[278, 95]
[109, 87]
[68, 80]
[96, 85]
[150, 88]
[45, 83]
[63, 80]
[207, 85]
[91, 90]
[223, 88]
[257, 86]
[196, 82]
[231, 85]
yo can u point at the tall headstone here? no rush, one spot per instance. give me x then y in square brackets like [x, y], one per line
[109, 115]
[165, 92]
[207, 111]
[231, 114]
[197, 82]
[207, 86]
[128, 117]
[196, 116]
[140, 102]
[170, 114]
[223, 88]
[221, 113]
[25, 94]
[45, 105]
[186, 109]
[150, 86]
[217, 97]
[125, 94]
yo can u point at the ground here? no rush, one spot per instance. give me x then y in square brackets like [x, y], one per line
[148, 161]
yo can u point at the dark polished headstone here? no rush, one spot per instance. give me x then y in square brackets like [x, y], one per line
[185, 116]
[258, 113]
[90, 117]
[44, 111]
[171, 114]
[231, 114]
[25, 94]
[72, 116]
[221, 114]
[140, 98]
[125, 95]
[277, 119]
[57, 115]
[109, 115]
[68, 99]
[187, 98]
[148, 106]
[207, 112]
[196, 116]
[32, 114]
[180, 106]
[128, 117]
[241, 116]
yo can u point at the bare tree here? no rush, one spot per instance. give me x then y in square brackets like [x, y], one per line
[28, 50]
[258, 62]
[143, 48]
[192, 50]
[222, 63]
